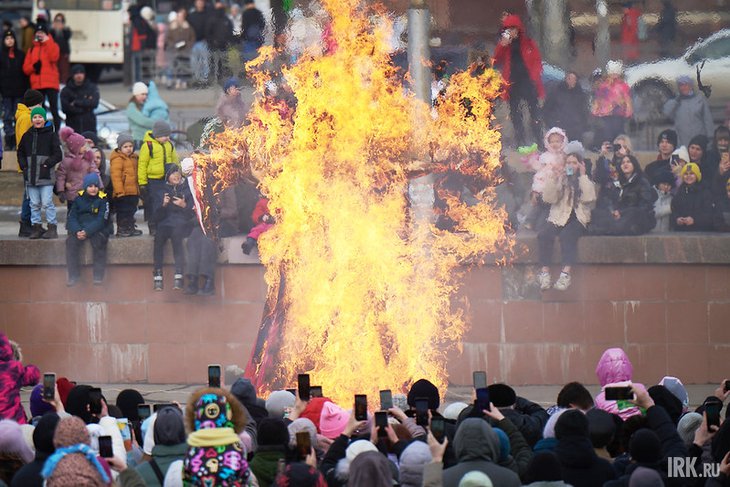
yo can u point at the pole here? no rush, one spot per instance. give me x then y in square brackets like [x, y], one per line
[603, 36]
[555, 33]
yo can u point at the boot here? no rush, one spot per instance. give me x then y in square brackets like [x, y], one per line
[208, 288]
[134, 231]
[179, 282]
[36, 232]
[25, 229]
[123, 232]
[51, 233]
[248, 245]
[157, 281]
[192, 287]
[98, 279]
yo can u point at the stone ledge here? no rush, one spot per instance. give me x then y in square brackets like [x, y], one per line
[669, 248]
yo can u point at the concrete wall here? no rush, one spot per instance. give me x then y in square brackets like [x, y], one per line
[664, 299]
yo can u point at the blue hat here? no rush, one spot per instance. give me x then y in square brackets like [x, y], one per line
[91, 178]
[684, 80]
[230, 82]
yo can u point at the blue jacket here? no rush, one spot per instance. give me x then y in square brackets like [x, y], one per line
[173, 215]
[88, 213]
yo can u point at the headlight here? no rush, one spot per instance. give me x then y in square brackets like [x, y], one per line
[109, 136]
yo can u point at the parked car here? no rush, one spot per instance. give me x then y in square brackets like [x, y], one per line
[654, 83]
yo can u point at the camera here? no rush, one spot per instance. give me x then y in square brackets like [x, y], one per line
[569, 170]
[38, 38]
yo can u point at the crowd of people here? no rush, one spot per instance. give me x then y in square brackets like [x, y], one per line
[232, 437]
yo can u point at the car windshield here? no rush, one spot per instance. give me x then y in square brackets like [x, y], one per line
[717, 49]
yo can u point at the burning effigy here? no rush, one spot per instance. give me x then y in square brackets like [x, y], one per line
[361, 291]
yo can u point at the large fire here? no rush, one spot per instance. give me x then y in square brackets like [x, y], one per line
[361, 291]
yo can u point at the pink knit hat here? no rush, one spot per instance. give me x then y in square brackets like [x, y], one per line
[333, 420]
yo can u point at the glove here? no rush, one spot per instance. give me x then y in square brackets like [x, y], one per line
[143, 193]
[37, 67]
[62, 197]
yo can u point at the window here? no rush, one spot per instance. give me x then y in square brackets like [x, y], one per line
[717, 49]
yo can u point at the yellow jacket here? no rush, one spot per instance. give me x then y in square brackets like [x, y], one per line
[22, 122]
[152, 165]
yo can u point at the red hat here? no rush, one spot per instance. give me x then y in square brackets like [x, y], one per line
[313, 411]
[64, 387]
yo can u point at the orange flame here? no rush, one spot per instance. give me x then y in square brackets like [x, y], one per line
[367, 298]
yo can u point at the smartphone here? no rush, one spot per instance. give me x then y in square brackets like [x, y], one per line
[315, 391]
[438, 428]
[617, 147]
[49, 386]
[480, 379]
[95, 400]
[214, 375]
[726, 387]
[304, 444]
[386, 400]
[618, 393]
[674, 160]
[712, 411]
[421, 412]
[157, 407]
[303, 387]
[105, 447]
[381, 422]
[569, 170]
[144, 411]
[361, 407]
[482, 402]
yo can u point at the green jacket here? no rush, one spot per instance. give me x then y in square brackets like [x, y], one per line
[139, 123]
[163, 456]
[152, 159]
[265, 463]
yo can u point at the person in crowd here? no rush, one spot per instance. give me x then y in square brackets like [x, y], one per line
[567, 107]
[14, 450]
[235, 15]
[27, 32]
[692, 206]
[666, 144]
[664, 188]
[219, 36]
[139, 123]
[154, 106]
[156, 152]
[264, 221]
[612, 104]
[697, 150]
[31, 100]
[555, 142]
[87, 221]
[30, 474]
[677, 161]
[173, 222]
[690, 112]
[79, 99]
[143, 39]
[615, 369]
[602, 427]
[13, 84]
[518, 58]
[273, 440]
[666, 28]
[179, 44]
[570, 194]
[170, 446]
[198, 19]
[231, 109]
[41, 65]
[76, 164]
[38, 153]
[605, 174]
[62, 35]
[253, 27]
[544, 471]
[13, 376]
[630, 31]
[722, 210]
[125, 186]
[527, 417]
[720, 144]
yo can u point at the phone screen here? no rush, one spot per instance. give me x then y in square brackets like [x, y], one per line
[480, 379]
[482, 402]
[381, 422]
[214, 375]
[105, 447]
[713, 415]
[49, 386]
[386, 399]
[422, 412]
[144, 411]
[304, 444]
[95, 400]
[618, 393]
[315, 391]
[727, 385]
[303, 387]
[361, 407]
[438, 428]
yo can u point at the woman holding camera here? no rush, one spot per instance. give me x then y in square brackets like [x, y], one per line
[41, 64]
[571, 195]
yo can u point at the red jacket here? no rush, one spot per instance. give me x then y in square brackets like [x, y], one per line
[47, 53]
[530, 55]
[261, 209]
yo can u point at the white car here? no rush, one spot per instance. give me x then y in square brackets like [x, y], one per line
[654, 83]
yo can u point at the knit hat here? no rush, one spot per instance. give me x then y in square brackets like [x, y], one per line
[301, 475]
[664, 176]
[687, 427]
[694, 168]
[78, 68]
[475, 478]
[682, 153]
[44, 432]
[357, 447]
[74, 142]
[32, 97]
[41, 27]
[127, 401]
[675, 386]
[12, 441]
[423, 388]
[139, 88]
[544, 467]
[147, 13]
[212, 411]
[684, 80]
[601, 427]
[615, 67]
[169, 428]
[669, 135]
[301, 425]
[38, 111]
[645, 477]
[71, 431]
[75, 465]
[645, 447]
[243, 389]
[502, 395]
[412, 462]
[571, 423]
[575, 147]
[64, 387]
[124, 138]
[39, 407]
[273, 432]
[278, 402]
[332, 420]
[231, 82]
[700, 140]
[504, 445]
[161, 129]
[91, 178]
[313, 410]
[452, 410]
[187, 165]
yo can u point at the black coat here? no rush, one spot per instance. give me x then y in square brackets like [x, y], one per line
[218, 30]
[173, 215]
[30, 474]
[198, 21]
[634, 200]
[13, 81]
[568, 109]
[580, 465]
[656, 168]
[253, 25]
[39, 165]
[694, 201]
[62, 39]
[79, 103]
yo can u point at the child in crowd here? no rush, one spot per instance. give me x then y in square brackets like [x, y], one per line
[13, 376]
[38, 153]
[722, 210]
[552, 159]
[174, 221]
[692, 208]
[262, 220]
[664, 187]
[77, 163]
[125, 189]
[677, 160]
[31, 100]
[87, 220]
[666, 144]
[156, 152]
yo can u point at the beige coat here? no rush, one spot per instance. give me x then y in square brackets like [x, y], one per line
[560, 198]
